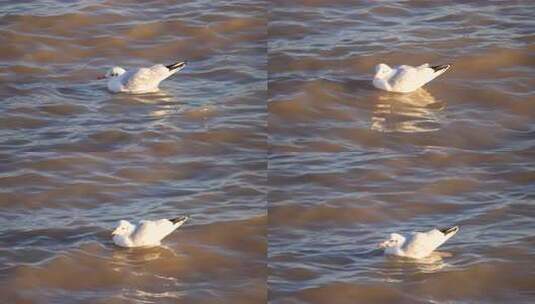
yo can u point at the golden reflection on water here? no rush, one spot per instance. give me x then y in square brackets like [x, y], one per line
[128, 256]
[71, 148]
[165, 110]
[407, 113]
[152, 98]
[396, 266]
[202, 112]
[151, 295]
[168, 105]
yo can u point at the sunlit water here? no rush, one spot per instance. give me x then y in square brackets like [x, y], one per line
[74, 158]
[350, 164]
[347, 164]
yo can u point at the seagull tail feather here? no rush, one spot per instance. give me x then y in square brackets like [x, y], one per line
[179, 219]
[441, 68]
[177, 65]
[449, 230]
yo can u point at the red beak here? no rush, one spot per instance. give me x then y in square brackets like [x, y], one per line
[101, 77]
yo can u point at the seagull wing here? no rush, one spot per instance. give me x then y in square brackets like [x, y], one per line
[422, 244]
[144, 234]
[152, 232]
[145, 79]
[400, 76]
[165, 227]
[408, 78]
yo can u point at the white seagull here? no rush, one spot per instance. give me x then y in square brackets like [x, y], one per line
[146, 233]
[419, 244]
[142, 80]
[405, 78]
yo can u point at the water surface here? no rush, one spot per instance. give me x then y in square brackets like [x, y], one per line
[74, 158]
[350, 164]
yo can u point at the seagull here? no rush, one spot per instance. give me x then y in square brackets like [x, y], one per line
[146, 233]
[405, 78]
[419, 245]
[142, 80]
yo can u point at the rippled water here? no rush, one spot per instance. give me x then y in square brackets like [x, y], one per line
[74, 158]
[291, 165]
[351, 164]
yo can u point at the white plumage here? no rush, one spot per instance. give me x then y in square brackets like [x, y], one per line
[146, 233]
[419, 244]
[142, 80]
[405, 78]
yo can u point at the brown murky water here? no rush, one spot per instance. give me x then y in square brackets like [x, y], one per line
[74, 158]
[291, 165]
[350, 164]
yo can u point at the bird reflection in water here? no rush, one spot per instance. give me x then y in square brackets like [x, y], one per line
[134, 256]
[397, 268]
[167, 105]
[415, 112]
[429, 264]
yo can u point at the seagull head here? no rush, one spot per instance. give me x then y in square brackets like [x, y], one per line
[123, 228]
[113, 72]
[381, 70]
[396, 240]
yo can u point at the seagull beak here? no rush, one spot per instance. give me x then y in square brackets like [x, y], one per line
[101, 77]
[382, 244]
[114, 232]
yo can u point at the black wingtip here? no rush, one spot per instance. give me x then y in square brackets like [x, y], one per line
[449, 230]
[176, 65]
[179, 219]
[441, 67]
